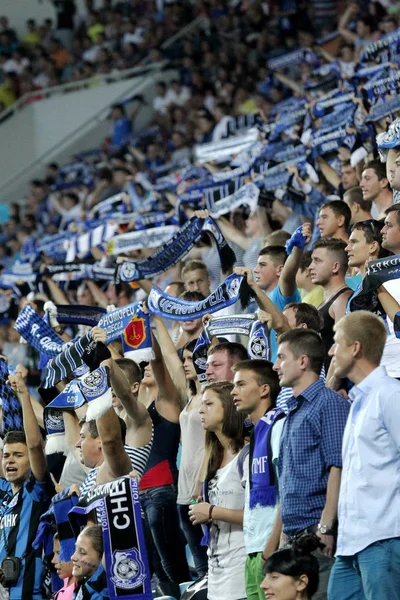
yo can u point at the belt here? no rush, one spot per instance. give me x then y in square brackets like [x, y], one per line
[292, 538]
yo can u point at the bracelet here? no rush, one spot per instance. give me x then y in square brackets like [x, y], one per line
[210, 512]
[263, 557]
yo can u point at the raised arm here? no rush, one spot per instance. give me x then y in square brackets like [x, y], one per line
[168, 393]
[262, 299]
[34, 439]
[171, 358]
[97, 293]
[330, 174]
[123, 390]
[57, 295]
[116, 461]
[348, 35]
[287, 280]
[233, 234]
[389, 304]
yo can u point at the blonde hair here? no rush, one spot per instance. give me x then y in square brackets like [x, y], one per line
[366, 328]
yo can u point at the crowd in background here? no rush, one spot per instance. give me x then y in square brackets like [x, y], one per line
[263, 437]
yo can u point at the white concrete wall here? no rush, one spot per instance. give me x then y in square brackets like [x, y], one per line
[62, 125]
[18, 11]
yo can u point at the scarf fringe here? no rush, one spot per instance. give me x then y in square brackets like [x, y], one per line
[140, 355]
[56, 442]
[99, 406]
[205, 540]
[267, 496]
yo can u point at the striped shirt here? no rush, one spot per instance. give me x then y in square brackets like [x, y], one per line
[138, 458]
[19, 520]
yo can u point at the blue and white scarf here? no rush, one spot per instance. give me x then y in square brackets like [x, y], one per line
[233, 288]
[38, 333]
[95, 388]
[247, 194]
[175, 250]
[10, 405]
[55, 431]
[136, 338]
[79, 315]
[136, 240]
[126, 565]
[383, 49]
[132, 325]
[263, 483]
[79, 357]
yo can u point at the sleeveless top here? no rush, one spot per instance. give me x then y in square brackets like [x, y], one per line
[137, 456]
[193, 438]
[161, 466]
[327, 332]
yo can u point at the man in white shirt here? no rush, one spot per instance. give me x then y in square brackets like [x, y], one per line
[367, 562]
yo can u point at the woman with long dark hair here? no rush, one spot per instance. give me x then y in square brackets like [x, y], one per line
[222, 511]
[293, 573]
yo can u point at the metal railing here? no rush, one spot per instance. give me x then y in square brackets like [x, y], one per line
[101, 79]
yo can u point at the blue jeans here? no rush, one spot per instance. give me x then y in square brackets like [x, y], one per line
[194, 535]
[167, 549]
[372, 574]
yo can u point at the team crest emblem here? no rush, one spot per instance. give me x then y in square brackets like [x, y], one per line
[233, 289]
[135, 332]
[93, 380]
[128, 271]
[258, 347]
[127, 569]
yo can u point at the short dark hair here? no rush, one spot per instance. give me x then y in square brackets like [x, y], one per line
[336, 248]
[371, 228]
[305, 260]
[235, 350]
[263, 374]
[15, 437]
[394, 208]
[131, 370]
[354, 195]
[378, 167]
[192, 296]
[306, 314]
[340, 209]
[94, 432]
[276, 253]
[308, 342]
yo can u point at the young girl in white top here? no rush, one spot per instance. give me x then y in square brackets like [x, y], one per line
[224, 492]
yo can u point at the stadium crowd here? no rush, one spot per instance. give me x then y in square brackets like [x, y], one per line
[200, 321]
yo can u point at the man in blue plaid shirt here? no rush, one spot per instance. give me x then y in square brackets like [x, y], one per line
[310, 459]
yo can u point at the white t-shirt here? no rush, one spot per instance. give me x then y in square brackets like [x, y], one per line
[160, 104]
[226, 552]
[258, 522]
[391, 351]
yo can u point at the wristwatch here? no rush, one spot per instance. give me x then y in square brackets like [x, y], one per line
[324, 529]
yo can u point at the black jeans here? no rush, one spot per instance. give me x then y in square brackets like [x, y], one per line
[194, 535]
[167, 549]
